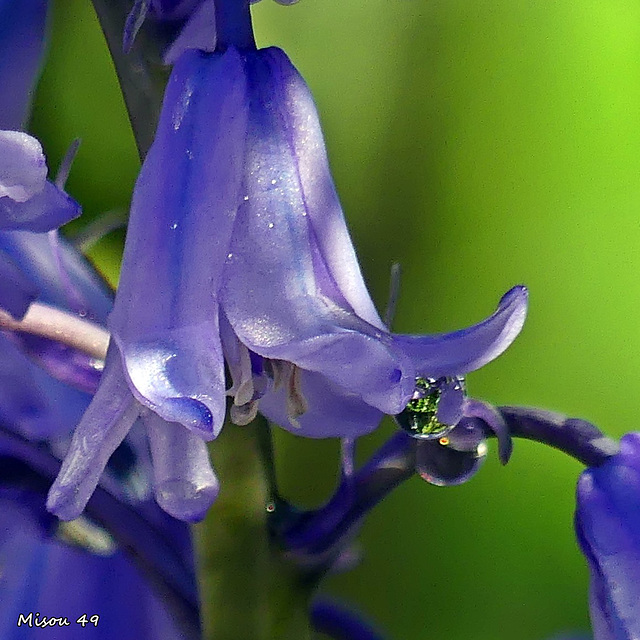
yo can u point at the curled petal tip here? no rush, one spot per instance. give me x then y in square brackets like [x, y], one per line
[469, 349]
[191, 413]
[61, 502]
[185, 500]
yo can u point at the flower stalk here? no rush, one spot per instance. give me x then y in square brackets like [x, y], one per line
[247, 589]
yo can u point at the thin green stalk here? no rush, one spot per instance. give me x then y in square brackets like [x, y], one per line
[247, 589]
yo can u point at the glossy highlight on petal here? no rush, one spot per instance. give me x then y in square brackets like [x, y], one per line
[182, 215]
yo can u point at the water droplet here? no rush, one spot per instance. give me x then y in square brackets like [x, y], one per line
[174, 225]
[82, 313]
[246, 198]
[271, 225]
[274, 181]
[229, 256]
[420, 417]
[270, 507]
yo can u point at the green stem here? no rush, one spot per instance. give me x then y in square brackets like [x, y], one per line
[247, 589]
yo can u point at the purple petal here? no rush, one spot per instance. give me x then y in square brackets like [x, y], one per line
[469, 349]
[165, 317]
[22, 31]
[302, 132]
[23, 168]
[104, 425]
[33, 403]
[46, 210]
[340, 623]
[271, 292]
[608, 528]
[16, 291]
[331, 412]
[185, 484]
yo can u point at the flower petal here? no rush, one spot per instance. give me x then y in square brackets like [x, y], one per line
[608, 528]
[16, 291]
[271, 293]
[62, 274]
[23, 168]
[182, 214]
[103, 427]
[185, 484]
[331, 412]
[46, 210]
[469, 349]
[301, 127]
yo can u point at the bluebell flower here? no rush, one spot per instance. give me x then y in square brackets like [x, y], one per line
[51, 569]
[27, 199]
[608, 529]
[237, 248]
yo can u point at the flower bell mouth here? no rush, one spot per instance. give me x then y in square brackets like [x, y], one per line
[434, 409]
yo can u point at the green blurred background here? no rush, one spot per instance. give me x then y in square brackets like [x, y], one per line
[481, 144]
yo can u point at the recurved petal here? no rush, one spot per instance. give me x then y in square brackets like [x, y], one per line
[48, 209]
[22, 31]
[608, 528]
[165, 316]
[331, 412]
[460, 352]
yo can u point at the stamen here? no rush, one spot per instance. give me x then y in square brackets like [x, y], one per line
[243, 414]
[296, 402]
[278, 373]
[245, 391]
[83, 533]
[61, 326]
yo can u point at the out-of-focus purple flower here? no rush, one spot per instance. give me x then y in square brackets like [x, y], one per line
[608, 530]
[22, 37]
[149, 589]
[27, 200]
[237, 248]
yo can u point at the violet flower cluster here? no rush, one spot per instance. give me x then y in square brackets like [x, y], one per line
[240, 295]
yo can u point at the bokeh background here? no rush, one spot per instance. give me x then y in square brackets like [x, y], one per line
[480, 143]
